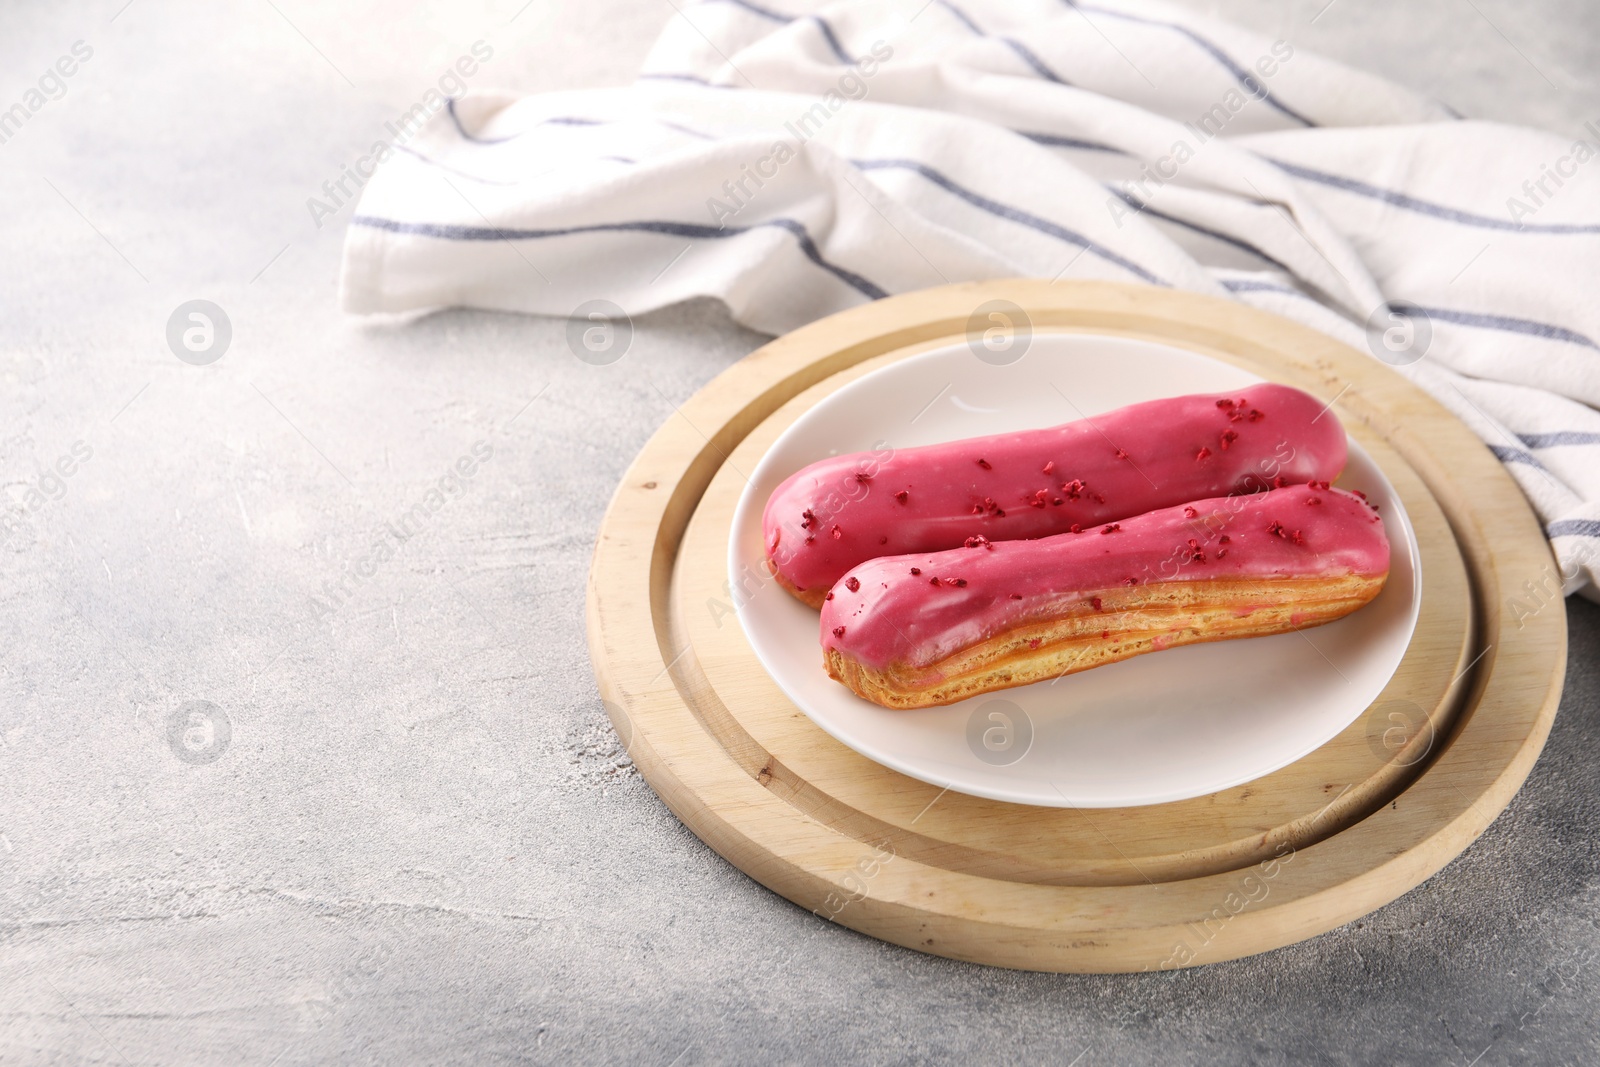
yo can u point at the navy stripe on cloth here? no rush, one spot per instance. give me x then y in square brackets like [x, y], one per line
[778, 16]
[1034, 61]
[683, 129]
[1510, 324]
[960, 15]
[1241, 75]
[1427, 207]
[1487, 322]
[1040, 67]
[833, 40]
[1574, 528]
[560, 120]
[1009, 213]
[693, 79]
[1244, 246]
[447, 232]
[1260, 287]
[756, 9]
[1515, 455]
[1057, 141]
[1555, 440]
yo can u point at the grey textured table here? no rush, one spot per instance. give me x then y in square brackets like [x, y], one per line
[418, 840]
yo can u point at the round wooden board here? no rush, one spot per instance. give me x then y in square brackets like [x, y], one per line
[1352, 826]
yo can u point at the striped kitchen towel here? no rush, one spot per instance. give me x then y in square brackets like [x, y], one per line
[793, 159]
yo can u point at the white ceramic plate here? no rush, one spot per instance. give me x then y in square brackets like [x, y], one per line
[1156, 728]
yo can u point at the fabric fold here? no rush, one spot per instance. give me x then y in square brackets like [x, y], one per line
[796, 159]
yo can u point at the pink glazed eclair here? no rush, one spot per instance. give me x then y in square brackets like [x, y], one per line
[914, 631]
[842, 511]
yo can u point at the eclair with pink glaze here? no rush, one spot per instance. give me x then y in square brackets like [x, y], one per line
[913, 631]
[842, 511]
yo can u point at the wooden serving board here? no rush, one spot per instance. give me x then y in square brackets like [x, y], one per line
[1312, 846]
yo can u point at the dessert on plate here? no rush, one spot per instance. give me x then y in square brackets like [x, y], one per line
[842, 511]
[920, 629]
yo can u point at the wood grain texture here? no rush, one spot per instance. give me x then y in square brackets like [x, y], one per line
[1292, 854]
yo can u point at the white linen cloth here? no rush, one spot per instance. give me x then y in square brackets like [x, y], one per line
[793, 159]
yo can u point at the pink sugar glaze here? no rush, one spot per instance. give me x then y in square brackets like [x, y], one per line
[914, 622]
[1174, 452]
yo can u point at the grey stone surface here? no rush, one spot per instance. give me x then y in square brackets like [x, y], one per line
[419, 840]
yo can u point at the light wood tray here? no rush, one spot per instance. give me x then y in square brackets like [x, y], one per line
[1352, 826]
